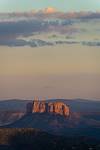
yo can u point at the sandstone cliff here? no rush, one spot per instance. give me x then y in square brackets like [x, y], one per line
[58, 108]
[49, 107]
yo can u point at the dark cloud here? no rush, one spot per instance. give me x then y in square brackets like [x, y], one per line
[24, 28]
[20, 42]
[91, 16]
[13, 42]
[10, 31]
[33, 43]
[15, 25]
[93, 43]
[66, 42]
[40, 43]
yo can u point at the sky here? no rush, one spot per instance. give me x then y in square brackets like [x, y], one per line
[48, 57]
[63, 71]
[62, 5]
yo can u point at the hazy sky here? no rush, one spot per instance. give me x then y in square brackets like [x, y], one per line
[59, 58]
[64, 5]
[55, 72]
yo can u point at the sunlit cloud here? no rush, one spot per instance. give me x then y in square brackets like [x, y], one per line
[50, 10]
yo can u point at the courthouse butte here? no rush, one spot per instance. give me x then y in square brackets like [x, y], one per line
[48, 107]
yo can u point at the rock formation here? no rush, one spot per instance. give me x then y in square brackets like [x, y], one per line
[39, 106]
[48, 107]
[58, 108]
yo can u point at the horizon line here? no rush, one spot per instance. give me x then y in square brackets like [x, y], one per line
[85, 99]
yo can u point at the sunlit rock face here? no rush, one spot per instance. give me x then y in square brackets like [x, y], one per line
[39, 107]
[58, 108]
[50, 107]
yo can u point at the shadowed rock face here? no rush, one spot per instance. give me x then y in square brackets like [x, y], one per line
[50, 107]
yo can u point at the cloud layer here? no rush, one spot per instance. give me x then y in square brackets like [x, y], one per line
[16, 26]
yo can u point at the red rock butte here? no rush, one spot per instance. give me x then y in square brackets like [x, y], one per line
[48, 107]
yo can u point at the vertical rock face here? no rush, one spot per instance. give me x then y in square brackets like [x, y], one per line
[51, 107]
[54, 107]
[39, 106]
[42, 107]
[36, 106]
[59, 108]
[66, 111]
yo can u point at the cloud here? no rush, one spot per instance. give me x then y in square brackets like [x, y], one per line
[11, 31]
[48, 13]
[33, 42]
[20, 42]
[16, 25]
[50, 10]
[91, 43]
[24, 28]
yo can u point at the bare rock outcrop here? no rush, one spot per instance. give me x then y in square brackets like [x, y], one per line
[39, 107]
[49, 107]
[58, 108]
